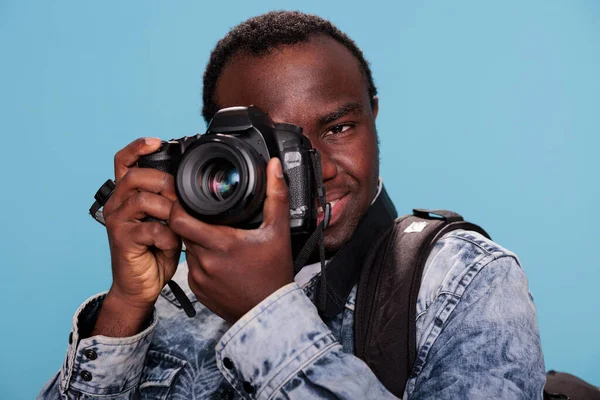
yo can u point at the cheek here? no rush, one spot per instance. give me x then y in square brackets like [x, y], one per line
[360, 159]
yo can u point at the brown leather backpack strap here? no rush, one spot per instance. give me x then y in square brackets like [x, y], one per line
[389, 282]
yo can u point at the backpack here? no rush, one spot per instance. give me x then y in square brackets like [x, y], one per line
[385, 320]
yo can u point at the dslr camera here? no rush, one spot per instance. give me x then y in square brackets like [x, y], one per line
[220, 176]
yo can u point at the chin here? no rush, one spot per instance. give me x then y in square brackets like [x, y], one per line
[343, 227]
[336, 236]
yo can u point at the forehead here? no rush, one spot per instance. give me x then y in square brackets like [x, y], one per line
[292, 82]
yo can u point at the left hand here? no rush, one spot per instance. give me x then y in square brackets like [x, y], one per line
[232, 270]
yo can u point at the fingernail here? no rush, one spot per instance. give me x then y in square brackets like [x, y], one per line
[278, 170]
[152, 141]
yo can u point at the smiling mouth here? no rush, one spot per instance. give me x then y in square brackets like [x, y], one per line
[332, 203]
[336, 207]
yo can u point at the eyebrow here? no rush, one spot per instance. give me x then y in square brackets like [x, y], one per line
[349, 108]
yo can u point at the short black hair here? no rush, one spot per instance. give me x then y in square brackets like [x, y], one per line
[259, 35]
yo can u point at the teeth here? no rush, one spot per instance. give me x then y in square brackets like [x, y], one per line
[333, 203]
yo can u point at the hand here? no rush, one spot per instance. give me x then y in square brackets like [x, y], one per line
[144, 254]
[232, 270]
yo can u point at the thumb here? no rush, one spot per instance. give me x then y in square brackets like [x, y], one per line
[276, 209]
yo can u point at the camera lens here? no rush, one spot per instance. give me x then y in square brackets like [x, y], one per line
[219, 179]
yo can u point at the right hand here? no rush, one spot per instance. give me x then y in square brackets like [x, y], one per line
[144, 254]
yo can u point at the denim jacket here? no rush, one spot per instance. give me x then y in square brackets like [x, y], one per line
[477, 337]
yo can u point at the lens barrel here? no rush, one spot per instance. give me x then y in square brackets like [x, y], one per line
[221, 180]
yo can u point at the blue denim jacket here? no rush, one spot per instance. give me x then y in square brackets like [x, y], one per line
[477, 337]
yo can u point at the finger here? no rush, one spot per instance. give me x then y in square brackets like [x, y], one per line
[129, 155]
[141, 205]
[155, 234]
[215, 237]
[141, 179]
[138, 236]
[276, 210]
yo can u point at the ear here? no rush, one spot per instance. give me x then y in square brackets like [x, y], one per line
[375, 106]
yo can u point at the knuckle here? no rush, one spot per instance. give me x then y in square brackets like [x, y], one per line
[167, 180]
[140, 200]
[118, 157]
[175, 220]
[117, 232]
[168, 186]
[282, 194]
[171, 240]
[224, 244]
[197, 276]
[125, 180]
[155, 229]
[131, 175]
[209, 266]
[129, 204]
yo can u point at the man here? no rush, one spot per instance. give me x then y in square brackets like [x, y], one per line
[257, 333]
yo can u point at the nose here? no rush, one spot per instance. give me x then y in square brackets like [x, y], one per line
[328, 166]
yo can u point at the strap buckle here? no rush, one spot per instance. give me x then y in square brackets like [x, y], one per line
[102, 196]
[326, 215]
[446, 215]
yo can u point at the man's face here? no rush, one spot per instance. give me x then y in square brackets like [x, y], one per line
[317, 85]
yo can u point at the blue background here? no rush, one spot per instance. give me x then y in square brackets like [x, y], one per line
[492, 110]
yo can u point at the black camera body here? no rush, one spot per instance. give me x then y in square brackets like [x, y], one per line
[220, 176]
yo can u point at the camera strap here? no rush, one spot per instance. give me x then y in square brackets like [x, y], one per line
[318, 236]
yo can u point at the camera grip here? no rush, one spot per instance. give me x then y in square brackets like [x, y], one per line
[165, 159]
[298, 191]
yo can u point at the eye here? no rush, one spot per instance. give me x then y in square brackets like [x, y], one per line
[337, 129]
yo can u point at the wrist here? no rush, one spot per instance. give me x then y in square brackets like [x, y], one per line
[133, 306]
[119, 317]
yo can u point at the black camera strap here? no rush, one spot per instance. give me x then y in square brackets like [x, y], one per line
[341, 273]
[318, 236]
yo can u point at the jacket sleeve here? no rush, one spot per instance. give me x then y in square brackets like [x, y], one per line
[481, 342]
[281, 349]
[99, 367]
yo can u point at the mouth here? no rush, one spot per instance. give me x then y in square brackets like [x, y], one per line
[337, 206]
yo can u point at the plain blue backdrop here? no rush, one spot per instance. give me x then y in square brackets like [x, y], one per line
[492, 110]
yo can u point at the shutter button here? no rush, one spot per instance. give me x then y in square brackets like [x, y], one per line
[228, 363]
[90, 354]
[86, 376]
[248, 387]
